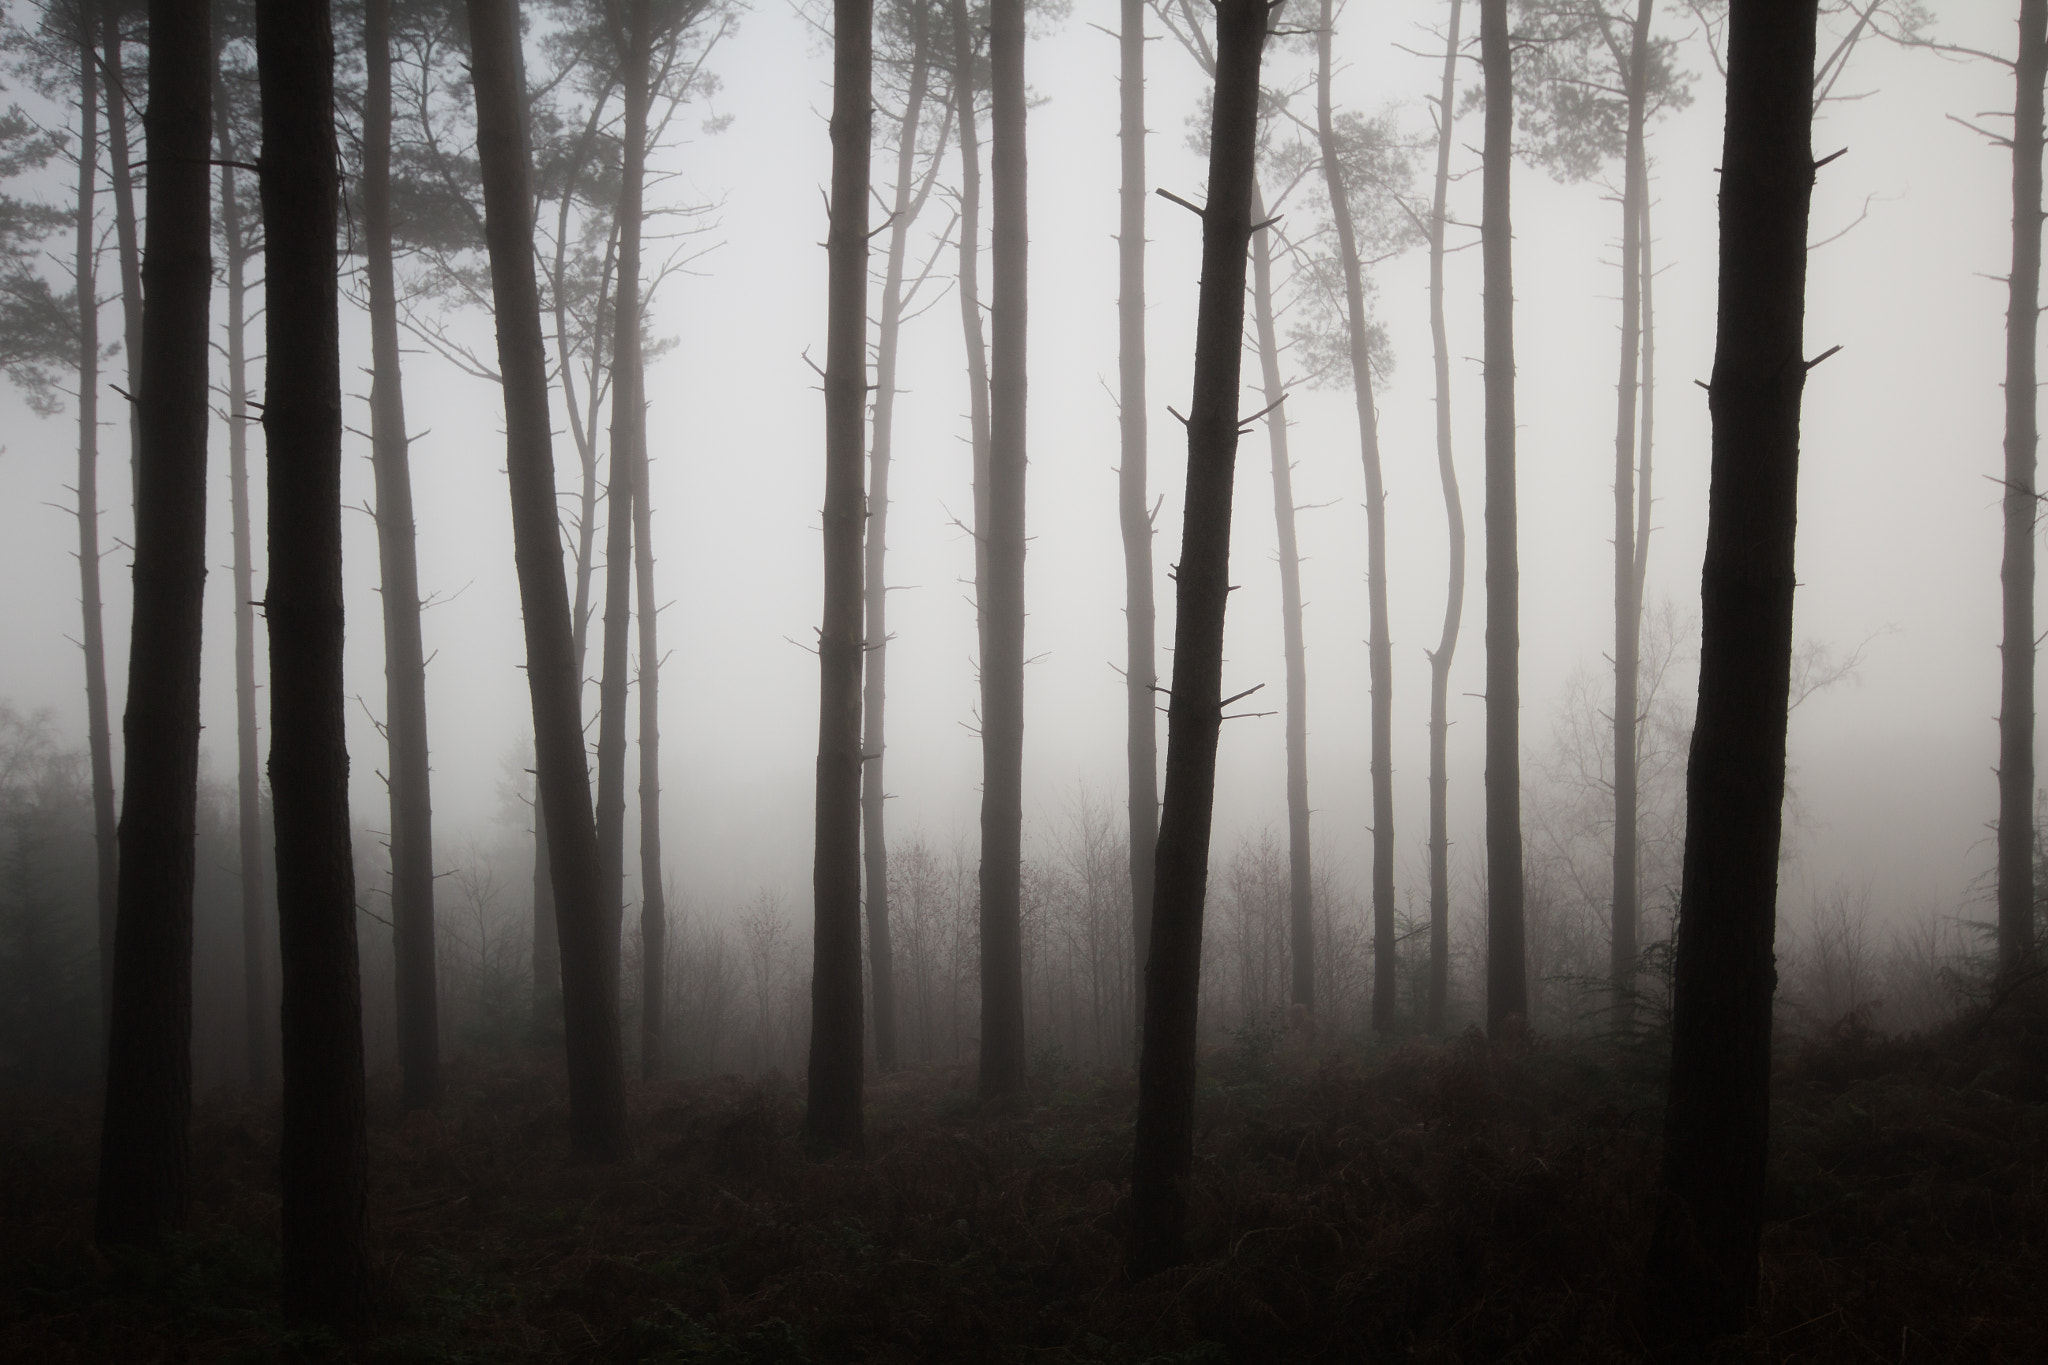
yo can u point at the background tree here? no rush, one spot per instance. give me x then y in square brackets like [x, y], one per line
[1164, 1154]
[144, 1132]
[125, 89]
[1709, 1221]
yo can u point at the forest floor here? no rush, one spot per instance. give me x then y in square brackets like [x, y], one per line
[1426, 1201]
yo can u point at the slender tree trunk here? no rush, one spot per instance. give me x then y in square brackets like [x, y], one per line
[92, 630]
[1649, 406]
[1141, 676]
[2016, 943]
[833, 1122]
[1002, 660]
[970, 306]
[588, 927]
[1507, 983]
[1164, 1154]
[1454, 594]
[324, 1144]
[1703, 1252]
[547, 931]
[405, 668]
[127, 233]
[1300, 889]
[1628, 606]
[653, 895]
[873, 792]
[1379, 648]
[144, 1138]
[259, 1016]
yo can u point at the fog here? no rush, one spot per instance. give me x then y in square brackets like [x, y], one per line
[1899, 522]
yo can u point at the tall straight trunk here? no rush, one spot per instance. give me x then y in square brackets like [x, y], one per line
[833, 1120]
[653, 895]
[1646, 445]
[2016, 943]
[1703, 1251]
[92, 630]
[1507, 982]
[1002, 659]
[873, 792]
[259, 1018]
[589, 954]
[1301, 922]
[965, 94]
[1454, 592]
[323, 1144]
[127, 233]
[144, 1137]
[1141, 676]
[1379, 650]
[405, 667]
[1164, 1156]
[1628, 606]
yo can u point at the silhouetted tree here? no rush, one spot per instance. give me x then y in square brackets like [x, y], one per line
[119, 84]
[1703, 1253]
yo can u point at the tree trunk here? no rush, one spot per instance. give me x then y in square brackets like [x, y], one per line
[127, 234]
[653, 895]
[970, 306]
[324, 1145]
[547, 932]
[405, 668]
[2016, 674]
[833, 1121]
[1703, 1251]
[1300, 890]
[1649, 405]
[1164, 1155]
[1454, 594]
[1379, 649]
[589, 954]
[259, 1016]
[144, 1135]
[92, 630]
[1141, 676]
[873, 792]
[1507, 983]
[1628, 606]
[1002, 659]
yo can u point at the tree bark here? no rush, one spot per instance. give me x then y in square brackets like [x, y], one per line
[1002, 660]
[324, 1144]
[127, 232]
[1703, 1252]
[405, 668]
[1164, 1154]
[1454, 593]
[1507, 984]
[1379, 648]
[1301, 922]
[259, 1015]
[833, 1121]
[2016, 931]
[144, 1139]
[1141, 677]
[873, 791]
[588, 928]
[1628, 606]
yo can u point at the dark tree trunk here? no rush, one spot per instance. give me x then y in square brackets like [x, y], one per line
[833, 1122]
[653, 895]
[873, 792]
[1507, 983]
[1141, 676]
[547, 933]
[589, 953]
[92, 630]
[324, 1145]
[1628, 605]
[1164, 1155]
[965, 93]
[1300, 889]
[1379, 649]
[2016, 943]
[1002, 659]
[259, 1015]
[1703, 1252]
[405, 668]
[1454, 593]
[144, 1135]
[127, 232]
